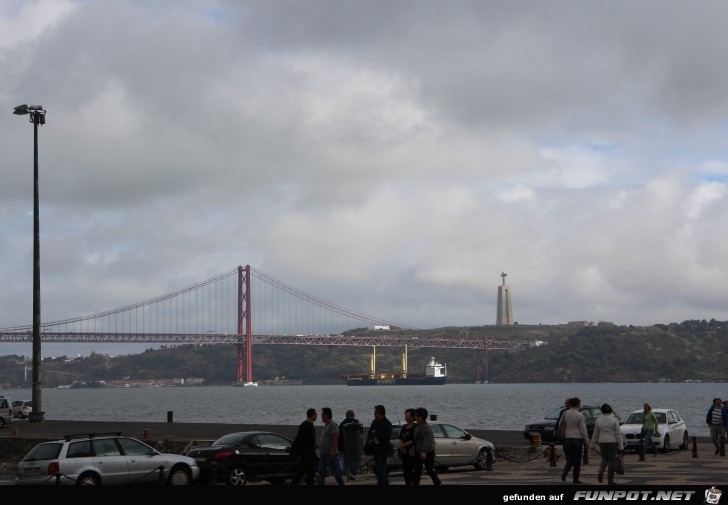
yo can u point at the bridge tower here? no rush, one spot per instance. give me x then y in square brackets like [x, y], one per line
[245, 351]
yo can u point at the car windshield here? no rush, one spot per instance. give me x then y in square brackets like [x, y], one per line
[636, 418]
[230, 439]
[554, 415]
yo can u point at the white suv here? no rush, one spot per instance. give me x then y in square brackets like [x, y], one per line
[103, 458]
[6, 411]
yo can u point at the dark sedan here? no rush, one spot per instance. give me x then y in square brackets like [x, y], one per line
[546, 427]
[249, 456]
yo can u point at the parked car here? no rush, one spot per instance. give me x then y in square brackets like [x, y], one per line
[6, 411]
[103, 458]
[454, 447]
[671, 427]
[247, 456]
[546, 427]
[22, 409]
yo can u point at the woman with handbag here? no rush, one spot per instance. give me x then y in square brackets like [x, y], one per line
[609, 437]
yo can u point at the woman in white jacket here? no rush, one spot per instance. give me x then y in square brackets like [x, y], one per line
[609, 437]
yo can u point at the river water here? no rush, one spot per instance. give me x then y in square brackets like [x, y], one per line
[471, 406]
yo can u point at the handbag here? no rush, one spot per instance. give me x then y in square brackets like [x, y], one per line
[619, 465]
[561, 430]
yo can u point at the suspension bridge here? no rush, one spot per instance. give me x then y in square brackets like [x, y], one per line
[223, 310]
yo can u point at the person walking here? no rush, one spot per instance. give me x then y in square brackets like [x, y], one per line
[350, 432]
[379, 443]
[575, 437]
[407, 447]
[609, 438]
[717, 421]
[328, 448]
[424, 448]
[304, 444]
[649, 428]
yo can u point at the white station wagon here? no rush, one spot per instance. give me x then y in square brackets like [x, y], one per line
[672, 429]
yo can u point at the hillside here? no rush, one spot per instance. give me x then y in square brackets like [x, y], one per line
[691, 350]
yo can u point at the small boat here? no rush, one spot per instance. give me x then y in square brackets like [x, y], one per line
[245, 384]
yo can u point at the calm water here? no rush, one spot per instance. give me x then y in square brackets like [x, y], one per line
[471, 406]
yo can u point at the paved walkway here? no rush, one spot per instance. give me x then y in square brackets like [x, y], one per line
[520, 464]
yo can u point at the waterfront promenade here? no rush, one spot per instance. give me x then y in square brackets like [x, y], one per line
[518, 463]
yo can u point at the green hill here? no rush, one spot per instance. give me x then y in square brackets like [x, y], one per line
[691, 350]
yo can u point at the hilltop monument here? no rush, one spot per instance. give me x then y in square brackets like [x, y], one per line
[504, 313]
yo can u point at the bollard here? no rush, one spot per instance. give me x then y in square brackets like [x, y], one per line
[170, 416]
[695, 447]
[146, 434]
[722, 446]
[433, 417]
[585, 457]
[488, 460]
[642, 451]
[14, 431]
[536, 439]
[552, 455]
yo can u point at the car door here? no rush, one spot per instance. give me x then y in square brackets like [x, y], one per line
[676, 428]
[274, 456]
[443, 449]
[142, 460]
[462, 448]
[110, 463]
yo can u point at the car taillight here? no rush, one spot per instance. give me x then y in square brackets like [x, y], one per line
[53, 469]
[221, 455]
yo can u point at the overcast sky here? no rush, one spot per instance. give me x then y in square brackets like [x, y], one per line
[391, 157]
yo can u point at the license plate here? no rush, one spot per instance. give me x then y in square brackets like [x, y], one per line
[31, 470]
[633, 442]
[201, 460]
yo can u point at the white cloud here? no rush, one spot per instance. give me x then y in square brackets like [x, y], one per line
[390, 158]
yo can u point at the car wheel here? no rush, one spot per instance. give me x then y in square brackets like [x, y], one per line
[685, 440]
[88, 479]
[236, 476]
[179, 476]
[666, 444]
[482, 461]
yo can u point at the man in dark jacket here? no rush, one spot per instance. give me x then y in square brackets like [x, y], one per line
[350, 431]
[379, 439]
[305, 446]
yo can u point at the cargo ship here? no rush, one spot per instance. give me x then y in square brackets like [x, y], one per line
[435, 375]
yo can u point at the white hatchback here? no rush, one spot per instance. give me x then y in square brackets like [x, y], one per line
[672, 429]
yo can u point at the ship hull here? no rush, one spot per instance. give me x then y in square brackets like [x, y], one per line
[398, 381]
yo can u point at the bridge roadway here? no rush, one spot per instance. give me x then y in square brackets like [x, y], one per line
[519, 463]
[19, 336]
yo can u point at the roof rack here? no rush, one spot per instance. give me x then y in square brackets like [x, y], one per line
[92, 435]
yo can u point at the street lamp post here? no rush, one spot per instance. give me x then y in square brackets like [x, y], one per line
[37, 116]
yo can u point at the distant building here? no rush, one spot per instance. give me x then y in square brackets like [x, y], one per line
[381, 327]
[504, 314]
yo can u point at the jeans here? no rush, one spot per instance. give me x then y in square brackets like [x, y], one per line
[429, 469]
[716, 431]
[648, 441]
[609, 453]
[327, 462]
[572, 451]
[381, 468]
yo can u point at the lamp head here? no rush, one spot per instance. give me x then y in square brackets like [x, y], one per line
[21, 110]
